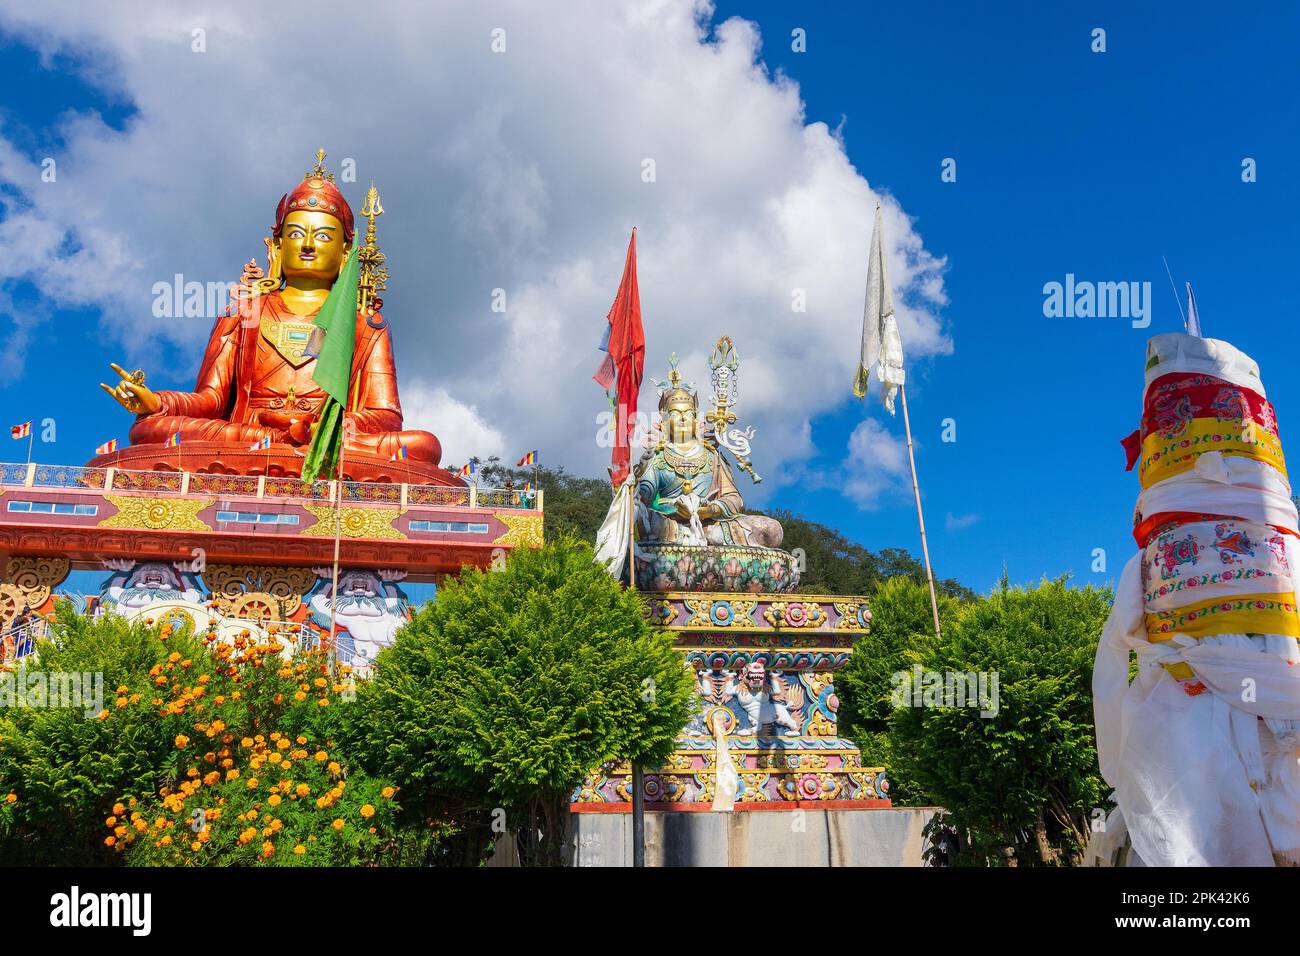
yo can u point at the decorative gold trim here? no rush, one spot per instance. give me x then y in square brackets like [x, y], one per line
[356, 522]
[157, 514]
[743, 610]
[521, 531]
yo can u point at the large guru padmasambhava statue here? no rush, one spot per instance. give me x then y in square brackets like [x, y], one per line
[256, 380]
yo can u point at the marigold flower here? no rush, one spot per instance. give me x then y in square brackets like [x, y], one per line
[11, 798]
[268, 848]
[337, 824]
[299, 696]
[388, 792]
[181, 741]
[120, 702]
[232, 774]
[367, 811]
[275, 800]
[302, 789]
[110, 841]
[212, 778]
[111, 822]
[299, 850]
[246, 743]
[333, 767]
[321, 756]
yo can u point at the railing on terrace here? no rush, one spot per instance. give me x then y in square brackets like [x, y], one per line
[255, 486]
[19, 642]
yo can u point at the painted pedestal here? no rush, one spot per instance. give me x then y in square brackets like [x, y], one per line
[799, 640]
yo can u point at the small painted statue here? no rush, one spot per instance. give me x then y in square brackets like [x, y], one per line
[685, 493]
[763, 698]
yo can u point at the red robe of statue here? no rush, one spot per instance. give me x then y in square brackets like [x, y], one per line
[255, 382]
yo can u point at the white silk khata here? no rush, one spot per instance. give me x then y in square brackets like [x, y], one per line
[1202, 748]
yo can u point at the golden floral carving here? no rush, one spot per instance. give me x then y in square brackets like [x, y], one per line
[28, 583]
[821, 726]
[355, 523]
[157, 514]
[849, 616]
[700, 607]
[777, 615]
[522, 531]
[258, 593]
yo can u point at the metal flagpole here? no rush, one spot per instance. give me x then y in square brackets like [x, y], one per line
[916, 489]
[31, 439]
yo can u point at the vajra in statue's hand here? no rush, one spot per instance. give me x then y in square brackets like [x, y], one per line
[131, 392]
[707, 512]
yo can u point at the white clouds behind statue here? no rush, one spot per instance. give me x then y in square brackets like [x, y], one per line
[520, 171]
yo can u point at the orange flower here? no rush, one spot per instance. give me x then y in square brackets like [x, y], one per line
[11, 798]
[337, 824]
[181, 741]
[301, 740]
[111, 822]
[268, 848]
[110, 841]
[275, 800]
[321, 756]
[232, 774]
[299, 850]
[367, 811]
[388, 792]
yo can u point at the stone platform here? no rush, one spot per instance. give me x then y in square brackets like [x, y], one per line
[809, 836]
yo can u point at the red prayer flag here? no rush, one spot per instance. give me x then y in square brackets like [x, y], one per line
[624, 362]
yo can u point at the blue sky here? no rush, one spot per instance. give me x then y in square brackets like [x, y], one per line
[1068, 161]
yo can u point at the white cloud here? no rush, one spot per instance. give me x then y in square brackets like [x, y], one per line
[519, 171]
[876, 466]
[461, 429]
[954, 522]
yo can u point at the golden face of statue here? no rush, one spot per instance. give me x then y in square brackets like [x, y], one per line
[311, 247]
[679, 421]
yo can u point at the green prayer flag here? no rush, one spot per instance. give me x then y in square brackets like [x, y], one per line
[337, 320]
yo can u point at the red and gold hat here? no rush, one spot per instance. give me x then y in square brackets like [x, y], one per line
[316, 193]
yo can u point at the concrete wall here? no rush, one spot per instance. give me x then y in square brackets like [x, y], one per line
[887, 837]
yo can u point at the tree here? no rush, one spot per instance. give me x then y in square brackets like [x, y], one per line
[64, 766]
[1022, 782]
[505, 693]
[902, 628]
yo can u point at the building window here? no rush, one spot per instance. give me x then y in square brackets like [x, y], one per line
[256, 517]
[455, 527]
[52, 508]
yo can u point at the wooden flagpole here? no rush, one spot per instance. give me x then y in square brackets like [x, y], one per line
[920, 518]
[338, 528]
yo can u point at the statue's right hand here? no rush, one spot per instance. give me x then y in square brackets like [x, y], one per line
[131, 392]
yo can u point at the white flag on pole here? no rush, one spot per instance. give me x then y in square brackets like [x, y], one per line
[882, 347]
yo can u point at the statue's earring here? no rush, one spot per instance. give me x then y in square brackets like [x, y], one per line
[274, 275]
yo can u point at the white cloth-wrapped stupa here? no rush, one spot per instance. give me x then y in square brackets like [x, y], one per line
[1201, 748]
